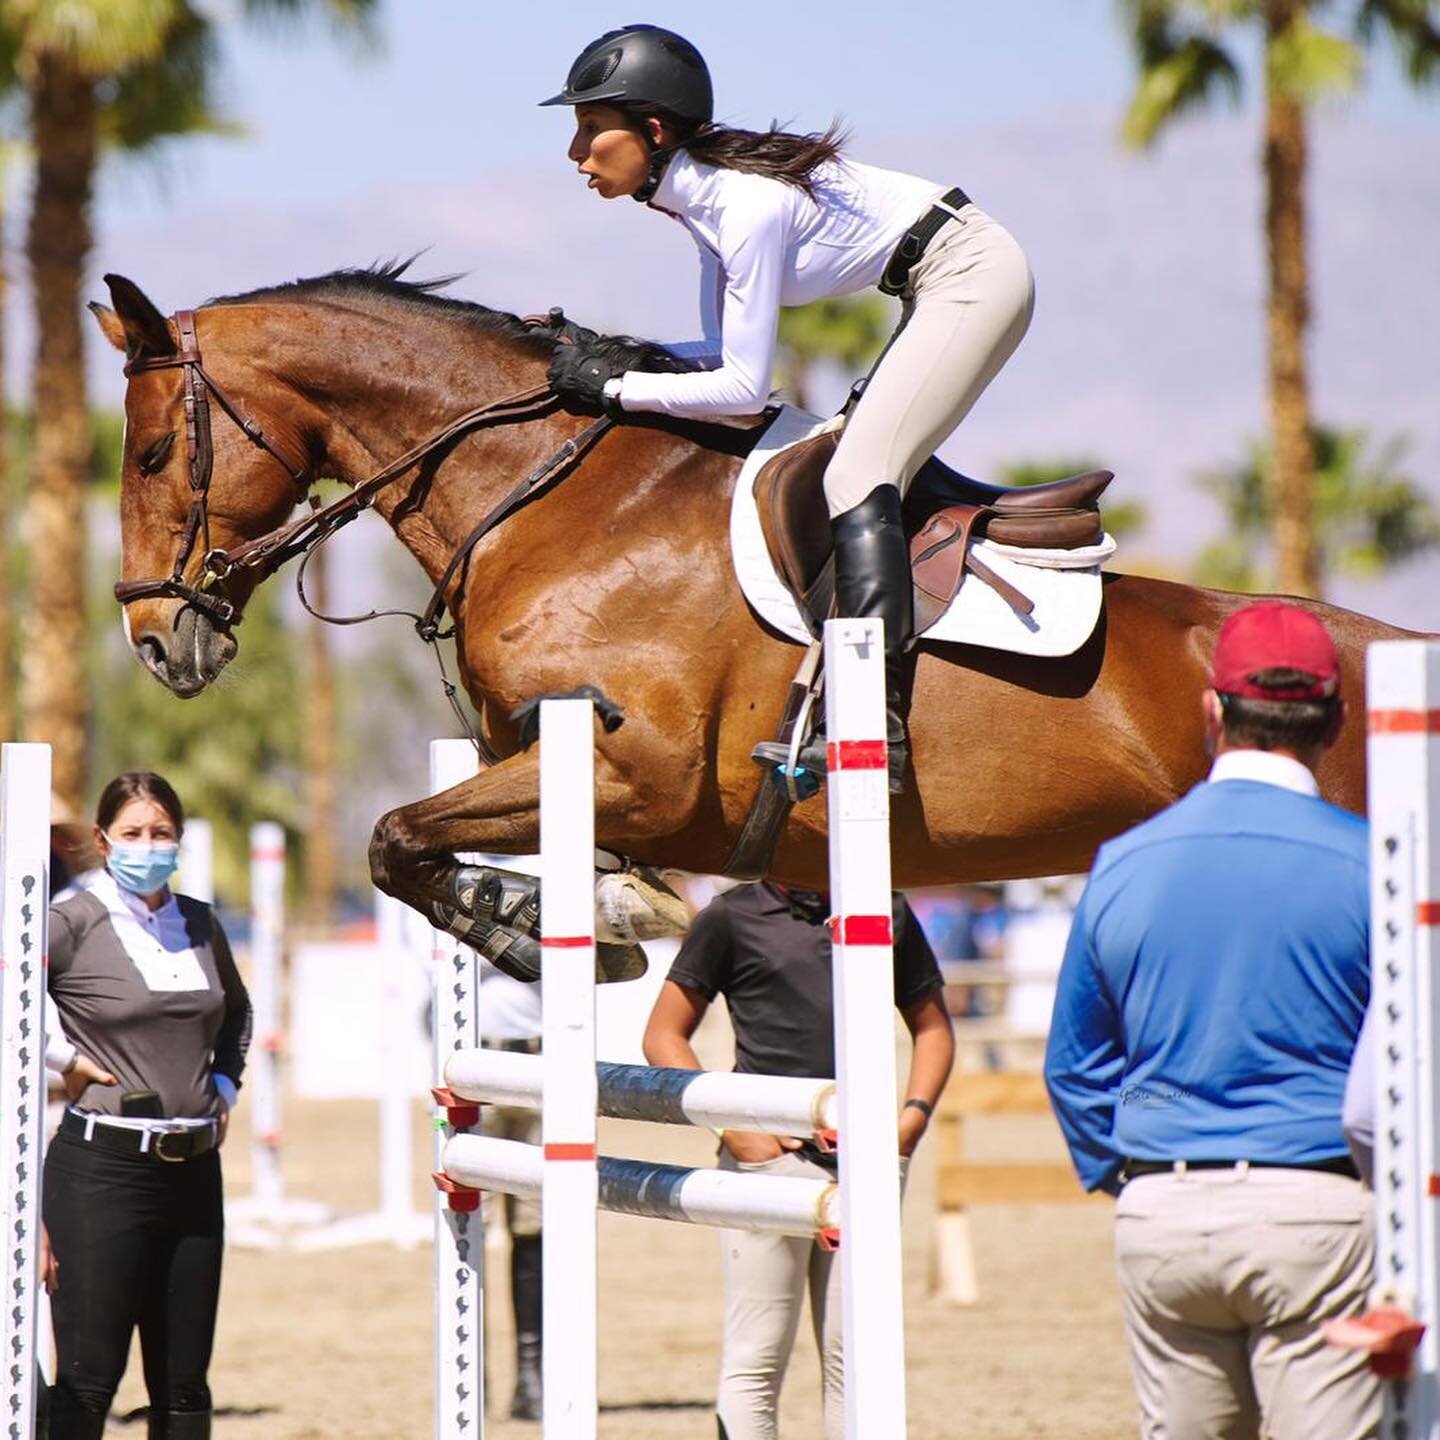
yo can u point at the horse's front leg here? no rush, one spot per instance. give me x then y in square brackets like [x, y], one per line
[497, 911]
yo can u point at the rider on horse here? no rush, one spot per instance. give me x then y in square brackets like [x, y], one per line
[785, 219]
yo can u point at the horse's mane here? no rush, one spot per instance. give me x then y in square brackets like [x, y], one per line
[384, 281]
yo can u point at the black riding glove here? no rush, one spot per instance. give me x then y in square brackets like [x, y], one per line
[578, 374]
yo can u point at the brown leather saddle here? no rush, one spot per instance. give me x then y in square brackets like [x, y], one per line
[944, 512]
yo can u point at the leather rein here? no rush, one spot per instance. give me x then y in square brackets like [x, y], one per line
[303, 535]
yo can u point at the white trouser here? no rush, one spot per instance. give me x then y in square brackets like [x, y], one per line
[967, 305]
[766, 1278]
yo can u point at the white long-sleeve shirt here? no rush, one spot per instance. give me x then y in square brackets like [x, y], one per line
[764, 243]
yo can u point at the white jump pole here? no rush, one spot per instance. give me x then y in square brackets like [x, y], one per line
[459, 1412]
[861, 932]
[777, 1204]
[197, 861]
[570, 1187]
[396, 1222]
[1403, 695]
[24, 948]
[263, 1219]
[267, 910]
[721, 1100]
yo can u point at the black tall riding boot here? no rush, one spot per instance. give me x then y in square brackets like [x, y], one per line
[68, 1421]
[872, 581]
[179, 1425]
[525, 1289]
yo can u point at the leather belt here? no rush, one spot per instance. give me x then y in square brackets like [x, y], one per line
[165, 1146]
[917, 237]
[1337, 1165]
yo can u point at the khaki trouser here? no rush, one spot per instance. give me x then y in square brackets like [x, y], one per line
[766, 1279]
[967, 306]
[522, 1213]
[1227, 1277]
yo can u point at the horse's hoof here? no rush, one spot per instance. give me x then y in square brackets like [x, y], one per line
[517, 955]
[635, 904]
[614, 963]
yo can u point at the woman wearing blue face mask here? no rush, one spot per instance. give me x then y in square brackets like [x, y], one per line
[144, 982]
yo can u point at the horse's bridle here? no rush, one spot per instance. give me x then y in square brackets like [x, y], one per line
[296, 537]
[200, 456]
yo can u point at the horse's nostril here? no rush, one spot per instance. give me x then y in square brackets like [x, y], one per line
[152, 653]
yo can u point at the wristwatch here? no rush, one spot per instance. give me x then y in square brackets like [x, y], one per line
[916, 1103]
[611, 390]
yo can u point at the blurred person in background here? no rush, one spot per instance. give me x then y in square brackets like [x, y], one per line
[510, 1017]
[766, 949]
[786, 219]
[142, 981]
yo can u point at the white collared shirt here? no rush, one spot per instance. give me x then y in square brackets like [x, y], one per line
[157, 941]
[765, 243]
[1265, 767]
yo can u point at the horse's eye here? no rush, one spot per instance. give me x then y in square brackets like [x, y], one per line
[155, 456]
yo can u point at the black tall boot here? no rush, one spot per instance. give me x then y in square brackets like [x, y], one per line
[872, 581]
[68, 1421]
[525, 1290]
[179, 1425]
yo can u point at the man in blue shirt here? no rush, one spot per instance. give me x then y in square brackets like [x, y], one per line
[1213, 987]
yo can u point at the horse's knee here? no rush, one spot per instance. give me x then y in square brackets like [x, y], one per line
[388, 852]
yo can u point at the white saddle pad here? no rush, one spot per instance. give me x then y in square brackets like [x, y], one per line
[1063, 584]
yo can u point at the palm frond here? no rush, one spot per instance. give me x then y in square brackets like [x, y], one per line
[1180, 70]
[1308, 63]
[353, 20]
[166, 97]
[100, 36]
[1413, 26]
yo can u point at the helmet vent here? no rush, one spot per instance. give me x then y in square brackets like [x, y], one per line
[596, 72]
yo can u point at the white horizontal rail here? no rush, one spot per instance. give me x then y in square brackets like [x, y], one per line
[780, 1204]
[721, 1100]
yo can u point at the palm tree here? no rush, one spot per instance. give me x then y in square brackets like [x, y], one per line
[94, 70]
[1368, 513]
[850, 331]
[1186, 57]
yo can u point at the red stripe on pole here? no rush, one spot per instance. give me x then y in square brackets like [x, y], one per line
[1427, 912]
[1432, 1185]
[267, 854]
[1403, 722]
[861, 930]
[857, 754]
[567, 942]
[570, 1152]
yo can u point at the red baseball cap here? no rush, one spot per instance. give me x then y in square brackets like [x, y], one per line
[1275, 636]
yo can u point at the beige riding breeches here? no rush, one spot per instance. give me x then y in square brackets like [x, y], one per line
[967, 305]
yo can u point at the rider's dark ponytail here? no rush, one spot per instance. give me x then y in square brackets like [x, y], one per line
[775, 153]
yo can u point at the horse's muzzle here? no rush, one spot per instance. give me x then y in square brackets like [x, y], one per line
[182, 648]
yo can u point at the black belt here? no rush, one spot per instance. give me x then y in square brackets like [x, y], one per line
[916, 238]
[170, 1146]
[1339, 1165]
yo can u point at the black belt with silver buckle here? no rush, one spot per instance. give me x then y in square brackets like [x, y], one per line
[917, 237]
[1338, 1165]
[167, 1146]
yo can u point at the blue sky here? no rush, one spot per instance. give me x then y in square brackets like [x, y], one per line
[1147, 349]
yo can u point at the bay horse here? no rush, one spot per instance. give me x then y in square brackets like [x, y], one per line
[621, 577]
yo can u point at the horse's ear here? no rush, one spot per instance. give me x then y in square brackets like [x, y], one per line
[135, 325]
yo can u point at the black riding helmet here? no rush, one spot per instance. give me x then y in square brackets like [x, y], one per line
[639, 66]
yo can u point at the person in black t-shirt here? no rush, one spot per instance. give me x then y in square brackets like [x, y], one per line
[766, 949]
